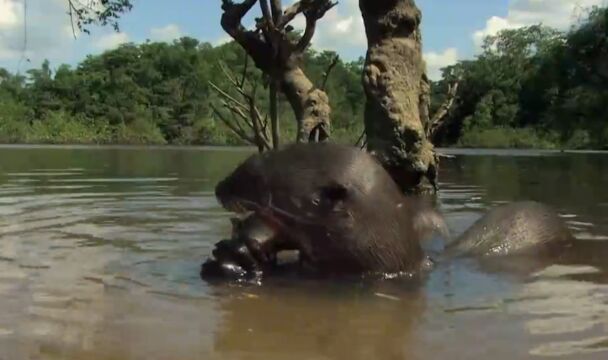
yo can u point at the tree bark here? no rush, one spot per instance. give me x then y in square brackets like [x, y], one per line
[394, 88]
[310, 104]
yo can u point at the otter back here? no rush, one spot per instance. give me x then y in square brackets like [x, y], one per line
[519, 228]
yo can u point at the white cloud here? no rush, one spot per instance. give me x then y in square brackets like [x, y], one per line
[494, 25]
[10, 12]
[555, 13]
[48, 28]
[42, 15]
[166, 33]
[49, 35]
[340, 29]
[222, 40]
[110, 41]
[435, 61]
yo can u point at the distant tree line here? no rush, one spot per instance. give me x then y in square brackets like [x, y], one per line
[154, 93]
[530, 87]
[533, 87]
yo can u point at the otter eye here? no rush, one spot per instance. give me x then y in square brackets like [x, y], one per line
[334, 192]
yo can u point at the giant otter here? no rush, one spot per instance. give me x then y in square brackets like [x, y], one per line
[334, 204]
[343, 213]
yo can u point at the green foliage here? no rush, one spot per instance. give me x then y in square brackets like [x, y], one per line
[13, 128]
[530, 81]
[101, 12]
[156, 93]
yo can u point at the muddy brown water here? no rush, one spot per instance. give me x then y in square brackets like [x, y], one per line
[100, 250]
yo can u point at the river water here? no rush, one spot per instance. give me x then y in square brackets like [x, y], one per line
[100, 249]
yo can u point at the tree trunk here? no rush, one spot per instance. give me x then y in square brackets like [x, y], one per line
[394, 87]
[310, 104]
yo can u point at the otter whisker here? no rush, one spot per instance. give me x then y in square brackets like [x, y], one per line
[257, 207]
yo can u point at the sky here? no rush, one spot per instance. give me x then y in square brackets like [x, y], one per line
[452, 29]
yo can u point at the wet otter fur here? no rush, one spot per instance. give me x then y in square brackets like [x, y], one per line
[526, 228]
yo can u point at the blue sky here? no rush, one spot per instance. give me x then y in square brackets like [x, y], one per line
[452, 29]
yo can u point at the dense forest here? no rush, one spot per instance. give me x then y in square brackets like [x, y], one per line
[533, 87]
[529, 87]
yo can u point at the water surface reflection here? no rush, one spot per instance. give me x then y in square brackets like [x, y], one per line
[100, 250]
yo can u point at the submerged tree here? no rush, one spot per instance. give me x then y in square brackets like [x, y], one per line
[396, 89]
[275, 51]
[397, 122]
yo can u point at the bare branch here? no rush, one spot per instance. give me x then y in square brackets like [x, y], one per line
[71, 12]
[265, 127]
[316, 10]
[232, 127]
[250, 41]
[244, 76]
[227, 72]
[290, 13]
[246, 121]
[309, 32]
[235, 126]
[328, 71]
[277, 10]
[226, 95]
[259, 136]
[266, 12]
[437, 119]
[361, 141]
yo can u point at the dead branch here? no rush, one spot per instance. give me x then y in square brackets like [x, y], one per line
[244, 74]
[251, 41]
[437, 119]
[312, 15]
[276, 7]
[253, 118]
[71, 13]
[274, 113]
[266, 13]
[246, 119]
[328, 71]
[236, 129]
[362, 140]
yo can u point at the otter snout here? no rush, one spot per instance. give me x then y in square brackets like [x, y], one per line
[225, 196]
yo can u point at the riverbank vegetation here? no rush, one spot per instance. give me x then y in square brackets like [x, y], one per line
[529, 87]
[533, 87]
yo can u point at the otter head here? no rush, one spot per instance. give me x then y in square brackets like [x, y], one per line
[245, 189]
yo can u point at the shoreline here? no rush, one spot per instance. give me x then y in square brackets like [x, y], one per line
[443, 150]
